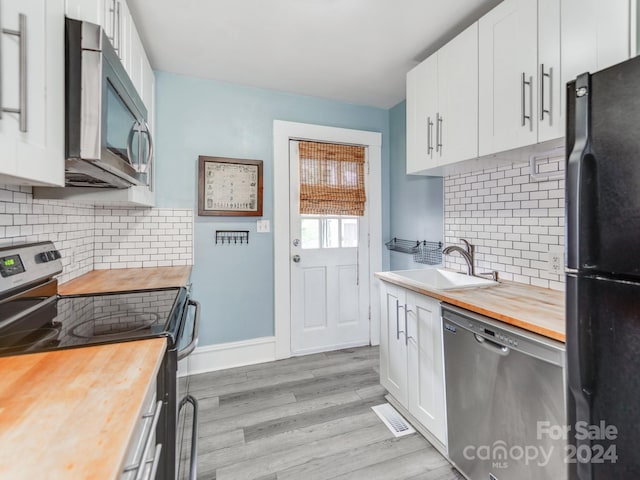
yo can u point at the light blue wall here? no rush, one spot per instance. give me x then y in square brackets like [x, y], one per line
[202, 117]
[416, 202]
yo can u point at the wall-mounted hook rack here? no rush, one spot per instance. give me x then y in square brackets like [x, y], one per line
[232, 237]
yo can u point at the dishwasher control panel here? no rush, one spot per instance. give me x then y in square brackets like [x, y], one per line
[506, 336]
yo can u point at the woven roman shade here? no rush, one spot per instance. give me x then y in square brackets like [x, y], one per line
[331, 179]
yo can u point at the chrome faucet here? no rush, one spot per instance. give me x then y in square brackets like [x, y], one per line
[468, 253]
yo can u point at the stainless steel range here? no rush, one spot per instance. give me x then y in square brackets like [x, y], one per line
[33, 318]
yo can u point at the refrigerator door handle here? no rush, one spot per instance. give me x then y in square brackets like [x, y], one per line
[580, 368]
[575, 168]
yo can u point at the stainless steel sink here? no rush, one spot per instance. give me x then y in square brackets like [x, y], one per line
[439, 279]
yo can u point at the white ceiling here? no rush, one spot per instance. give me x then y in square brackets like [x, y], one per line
[356, 51]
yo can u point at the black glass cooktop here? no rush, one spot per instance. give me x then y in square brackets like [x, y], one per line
[86, 320]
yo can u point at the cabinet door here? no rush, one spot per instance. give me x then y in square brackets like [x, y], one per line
[595, 34]
[426, 366]
[116, 26]
[422, 106]
[136, 53]
[148, 93]
[110, 20]
[457, 122]
[88, 10]
[124, 35]
[393, 345]
[34, 156]
[551, 119]
[507, 76]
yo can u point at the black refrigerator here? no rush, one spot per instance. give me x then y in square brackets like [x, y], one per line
[603, 273]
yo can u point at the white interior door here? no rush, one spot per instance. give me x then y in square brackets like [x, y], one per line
[329, 258]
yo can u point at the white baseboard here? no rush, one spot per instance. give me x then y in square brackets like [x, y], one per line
[210, 358]
[329, 348]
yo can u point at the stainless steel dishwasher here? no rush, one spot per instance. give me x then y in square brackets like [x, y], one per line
[505, 399]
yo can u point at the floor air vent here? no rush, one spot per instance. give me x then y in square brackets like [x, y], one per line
[393, 420]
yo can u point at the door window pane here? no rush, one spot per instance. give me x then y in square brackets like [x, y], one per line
[331, 237]
[310, 234]
[349, 232]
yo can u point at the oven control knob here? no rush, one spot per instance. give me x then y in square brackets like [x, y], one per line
[49, 256]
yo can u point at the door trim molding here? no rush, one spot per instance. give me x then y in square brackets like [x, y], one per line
[283, 132]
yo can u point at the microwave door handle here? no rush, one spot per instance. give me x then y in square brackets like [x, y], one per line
[132, 133]
[147, 132]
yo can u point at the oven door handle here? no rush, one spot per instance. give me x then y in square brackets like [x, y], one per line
[193, 460]
[194, 339]
[28, 311]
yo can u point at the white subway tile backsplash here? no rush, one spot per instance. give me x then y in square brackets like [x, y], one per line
[91, 237]
[511, 219]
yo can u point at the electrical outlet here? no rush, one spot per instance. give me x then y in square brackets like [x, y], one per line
[555, 260]
[262, 226]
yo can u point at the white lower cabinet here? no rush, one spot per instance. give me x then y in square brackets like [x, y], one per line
[393, 347]
[425, 364]
[411, 356]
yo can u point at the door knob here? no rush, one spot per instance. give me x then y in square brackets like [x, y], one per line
[296, 258]
[296, 242]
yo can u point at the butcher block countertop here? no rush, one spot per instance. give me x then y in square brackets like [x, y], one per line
[538, 310]
[69, 414]
[126, 279]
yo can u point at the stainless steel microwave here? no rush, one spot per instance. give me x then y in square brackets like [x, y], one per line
[108, 141]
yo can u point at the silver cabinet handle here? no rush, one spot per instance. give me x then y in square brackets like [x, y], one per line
[147, 446]
[398, 331]
[406, 325]
[438, 133]
[118, 29]
[112, 10]
[140, 466]
[1, 35]
[429, 139]
[21, 33]
[544, 75]
[397, 319]
[156, 462]
[524, 84]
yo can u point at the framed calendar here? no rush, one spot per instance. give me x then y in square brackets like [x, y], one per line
[229, 187]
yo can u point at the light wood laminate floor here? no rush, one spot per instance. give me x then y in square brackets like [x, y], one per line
[305, 418]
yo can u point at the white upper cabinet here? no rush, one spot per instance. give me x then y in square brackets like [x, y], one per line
[442, 105]
[89, 10]
[148, 83]
[32, 56]
[595, 34]
[422, 107]
[551, 119]
[508, 76]
[457, 118]
[116, 20]
[501, 84]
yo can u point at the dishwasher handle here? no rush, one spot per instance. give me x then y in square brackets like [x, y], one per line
[492, 346]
